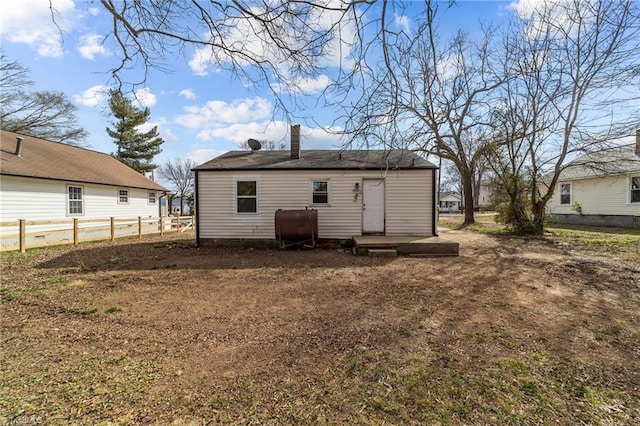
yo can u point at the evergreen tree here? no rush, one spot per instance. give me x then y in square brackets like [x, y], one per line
[134, 148]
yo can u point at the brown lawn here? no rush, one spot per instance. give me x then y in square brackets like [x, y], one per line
[514, 331]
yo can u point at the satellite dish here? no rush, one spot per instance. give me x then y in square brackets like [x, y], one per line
[254, 144]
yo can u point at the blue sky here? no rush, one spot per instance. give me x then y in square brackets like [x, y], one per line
[200, 112]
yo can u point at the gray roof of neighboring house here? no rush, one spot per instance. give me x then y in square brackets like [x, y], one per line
[45, 159]
[611, 161]
[453, 195]
[318, 160]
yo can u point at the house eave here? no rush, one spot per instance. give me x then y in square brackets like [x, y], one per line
[62, 179]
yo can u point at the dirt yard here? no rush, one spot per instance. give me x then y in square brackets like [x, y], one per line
[514, 331]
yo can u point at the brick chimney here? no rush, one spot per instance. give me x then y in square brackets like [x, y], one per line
[638, 142]
[295, 141]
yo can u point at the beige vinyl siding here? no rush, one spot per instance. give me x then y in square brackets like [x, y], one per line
[40, 199]
[409, 201]
[408, 208]
[603, 196]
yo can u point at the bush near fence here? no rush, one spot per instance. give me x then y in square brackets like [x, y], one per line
[25, 234]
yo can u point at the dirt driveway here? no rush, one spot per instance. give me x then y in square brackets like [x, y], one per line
[158, 331]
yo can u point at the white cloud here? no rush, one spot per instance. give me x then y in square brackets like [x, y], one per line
[216, 113]
[244, 36]
[310, 85]
[240, 132]
[144, 97]
[403, 22]
[525, 8]
[30, 22]
[94, 96]
[202, 155]
[201, 61]
[188, 94]
[164, 131]
[558, 17]
[94, 11]
[91, 45]
[276, 131]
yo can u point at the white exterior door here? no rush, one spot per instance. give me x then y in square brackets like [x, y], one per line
[373, 206]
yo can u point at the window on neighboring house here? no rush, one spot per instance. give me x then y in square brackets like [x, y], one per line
[123, 196]
[565, 193]
[152, 197]
[75, 200]
[247, 196]
[320, 189]
[635, 189]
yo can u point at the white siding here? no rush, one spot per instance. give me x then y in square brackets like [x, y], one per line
[599, 196]
[40, 199]
[408, 202]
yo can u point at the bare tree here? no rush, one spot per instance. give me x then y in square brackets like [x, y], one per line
[450, 178]
[180, 176]
[43, 114]
[431, 96]
[272, 44]
[576, 65]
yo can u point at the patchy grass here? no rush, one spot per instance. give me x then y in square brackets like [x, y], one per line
[485, 224]
[507, 333]
[593, 239]
[82, 311]
[596, 239]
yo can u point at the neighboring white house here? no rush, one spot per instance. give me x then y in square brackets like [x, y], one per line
[354, 192]
[45, 180]
[450, 202]
[600, 188]
[485, 193]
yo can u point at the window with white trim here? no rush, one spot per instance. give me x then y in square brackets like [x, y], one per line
[75, 200]
[152, 197]
[635, 189]
[247, 196]
[320, 192]
[123, 196]
[565, 193]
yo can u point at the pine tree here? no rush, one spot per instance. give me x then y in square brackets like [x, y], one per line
[134, 148]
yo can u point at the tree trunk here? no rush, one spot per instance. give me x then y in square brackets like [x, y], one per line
[539, 216]
[467, 189]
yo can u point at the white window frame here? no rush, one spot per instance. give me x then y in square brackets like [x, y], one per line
[570, 193]
[236, 196]
[311, 186]
[70, 200]
[153, 200]
[120, 196]
[632, 189]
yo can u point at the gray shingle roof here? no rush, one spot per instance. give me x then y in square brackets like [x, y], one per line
[318, 160]
[612, 161]
[53, 160]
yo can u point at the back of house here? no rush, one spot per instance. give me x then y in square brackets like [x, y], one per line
[355, 192]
